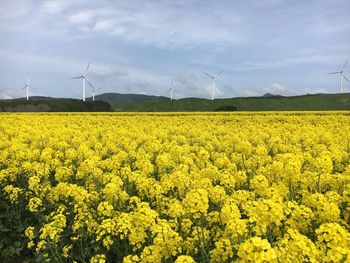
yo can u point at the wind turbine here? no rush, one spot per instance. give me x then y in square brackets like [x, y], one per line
[84, 77]
[342, 75]
[174, 95]
[171, 90]
[213, 85]
[93, 92]
[27, 86]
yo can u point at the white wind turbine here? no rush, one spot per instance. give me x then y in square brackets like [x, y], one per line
[213, 85]
[172, 90]
[84, 77]
[27, 86]
[342, 75]
[94, 90]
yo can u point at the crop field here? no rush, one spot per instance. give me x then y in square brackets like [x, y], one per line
[185, 187]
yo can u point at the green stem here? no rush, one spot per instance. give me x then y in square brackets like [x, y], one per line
[290, 189]
[55, 253]
[318, 183]
[205, 256]
[81, 245]
[167, 249]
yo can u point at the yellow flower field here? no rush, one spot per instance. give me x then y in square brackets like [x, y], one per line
[201, 187]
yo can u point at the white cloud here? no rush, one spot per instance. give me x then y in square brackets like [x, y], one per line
[82, 17]
[143, 83]
[18, 93]
[328, 28]
[272, 40]
[187, 80]
[276, 89]
[41, 62]
[11, 94]
[187, 85]
[248, 93]
[13, 9]
[57, 6]
[308, 90]
[267, 64]
[106, 73]
[103, 25]
[153, 23]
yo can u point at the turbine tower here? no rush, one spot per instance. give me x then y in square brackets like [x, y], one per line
[342, 75]
[84, 78]
[171, 90]
[27, 86]
[213, 84]
[93, 92]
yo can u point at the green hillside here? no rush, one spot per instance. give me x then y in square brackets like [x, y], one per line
[162, 104]
[123, 99]
[304, 102]
[53, 105]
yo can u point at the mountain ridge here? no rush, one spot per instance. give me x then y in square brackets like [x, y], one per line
[318, 101]
[151, 103]
[128, 98]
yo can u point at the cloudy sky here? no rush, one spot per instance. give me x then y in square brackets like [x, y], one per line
[139, 46]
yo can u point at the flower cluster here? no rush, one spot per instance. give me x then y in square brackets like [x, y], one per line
[203, 187]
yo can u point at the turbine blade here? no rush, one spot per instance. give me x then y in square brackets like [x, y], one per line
[87, 68]
[207, 74]
[346, 78]
[219, 73]
[77, 77]
[346, 63]
[338, 72]
[92, 86]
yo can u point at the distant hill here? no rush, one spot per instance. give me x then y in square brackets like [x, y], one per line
[145, 103]
[304, 102]
[36, 98]
[124, 99]
[269, 95]
[43, 104]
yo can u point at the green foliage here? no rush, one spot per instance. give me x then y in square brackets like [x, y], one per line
[54, 105]
[123, 99]
[226, 108]
[13, 221]
[296, 103]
